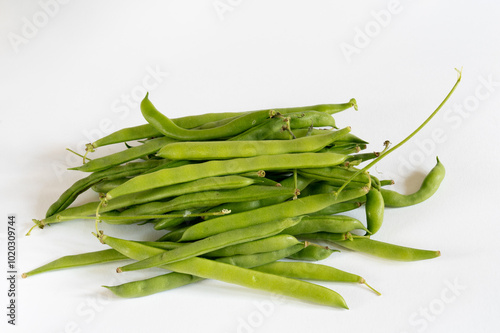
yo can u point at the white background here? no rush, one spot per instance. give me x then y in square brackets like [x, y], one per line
[64, 79]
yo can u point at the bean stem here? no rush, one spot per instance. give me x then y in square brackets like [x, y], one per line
[385, 153]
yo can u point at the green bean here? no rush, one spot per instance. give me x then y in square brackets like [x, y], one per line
[302, 206]
[84, 184]
[107, 185]
[429, 186]
[204, 184]
[310, 271]
[268, 244]
[235, 149]
[78, 260]
[374, 210]
[210, 269]
[325, 223]
[102, 163]
[312, 252]
[174, 280]
[92, 258]
[325, 236]
[191, 172]
[207, 199]
[341, 207]
[335, 174]
[386, 250]
[213, 243]
[170, 222]
[168, 128]
[238, 207]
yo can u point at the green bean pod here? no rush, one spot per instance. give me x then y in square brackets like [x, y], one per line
[191, 172]
[312, 252]
[203, 185]
[213, 243]
[210, 269]
[325, 223]
[386, 250]
[238, 207]
[105, 186]
[102, 163]
[84, 184]
[374, 210]
[235, 149]
[174, 280]
[309, 271]
[168, 128]
[301, 206]
[269, 244]
[429, 186]
[206, 199]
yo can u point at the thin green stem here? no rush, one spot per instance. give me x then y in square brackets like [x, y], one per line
[387, 152]
[80, 155]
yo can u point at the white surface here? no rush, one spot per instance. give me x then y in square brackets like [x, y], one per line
[63, 87]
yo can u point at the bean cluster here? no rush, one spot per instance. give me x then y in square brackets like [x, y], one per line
[249, 198]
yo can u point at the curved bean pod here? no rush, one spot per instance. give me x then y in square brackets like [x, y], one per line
[168, 128]
[429, 186]
[374, 210]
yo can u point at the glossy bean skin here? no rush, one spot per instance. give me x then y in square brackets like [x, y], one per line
[107, 185]
[130, 154]
[301, 206]
[234, 149]
[374, 210]
[269, 244]
[206, 199]
[174, 235]
[191, 172]
[325, 223]
[84, 184]
[168, 128]
[174, 280]
[324, 236]
[213, 243]
[78, 260]
[332, 174]
[312, 252]
[210, 269]
[188, 122]
[309, 271]
[340, 207]
[429, 186]
[239, 207]
[92, 258]
[386, 250]
[200, 185]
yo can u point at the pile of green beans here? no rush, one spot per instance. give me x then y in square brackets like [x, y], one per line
[249, 198]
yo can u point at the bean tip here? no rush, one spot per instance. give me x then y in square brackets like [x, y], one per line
[24, 275]
[119, 270]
